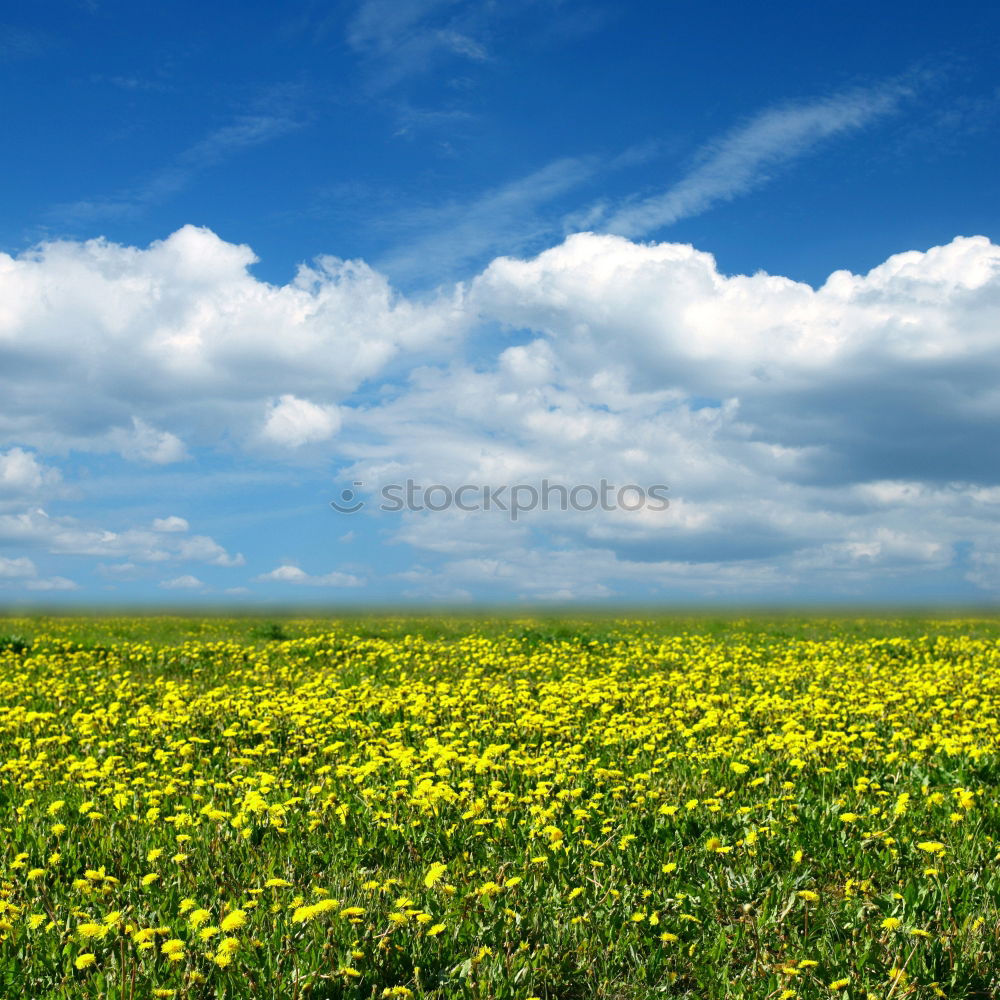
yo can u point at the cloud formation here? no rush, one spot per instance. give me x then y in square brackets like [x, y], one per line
[145, 352]
[829, 438]
[299, 577]
[749, 155]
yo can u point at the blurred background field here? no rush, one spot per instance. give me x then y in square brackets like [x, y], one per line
[172, 628]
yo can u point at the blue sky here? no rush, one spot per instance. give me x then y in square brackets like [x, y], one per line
[254, 255]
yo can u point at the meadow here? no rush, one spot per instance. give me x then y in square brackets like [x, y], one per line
[499, 808]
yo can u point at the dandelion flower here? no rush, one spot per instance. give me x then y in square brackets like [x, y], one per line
[234, 920]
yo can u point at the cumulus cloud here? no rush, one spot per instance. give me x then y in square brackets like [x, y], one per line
[292, 422]
[836, 435]
[142, 443]
[886, 375]
[201, 548]
[52, 583]
[12, 569]
[171, 523]
[146, 352]
[821, 437]
[21, 572]
[23, 477]
[35, 528]
[186, 582]
[294, 575]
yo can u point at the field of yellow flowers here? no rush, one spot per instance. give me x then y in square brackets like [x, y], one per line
[501, 809]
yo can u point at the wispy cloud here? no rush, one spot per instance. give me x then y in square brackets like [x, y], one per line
[748, 156]
[299, 577]
[400, 38]
[382, 24]
[19, 43]
[438, 242]
[504, 219]
[242, 133]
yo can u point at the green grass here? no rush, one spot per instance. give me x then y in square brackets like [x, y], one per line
[765, 790]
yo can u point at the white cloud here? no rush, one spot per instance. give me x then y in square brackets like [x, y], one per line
[67, 536]
[294, 575]
[186, 582]
[884, 375]
[399, 38]
[292, 422]
[13, 569]
[23, 477]
[823, 438]
[52, 583]
[749, 155]
[126, 570]
[201, 548]
[244, 132]
[149, 351]
[171, 523]
[815, 438]
[142, 443]
[21, 571]
[509, 217]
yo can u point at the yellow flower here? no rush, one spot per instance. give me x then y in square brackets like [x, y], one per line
[839, 984]
[891, 923]
[234, 920]
[173, 949]
[808, 895]
[85, 961]
[150, 878]
[667, 938]
[931, 847]
[434, 874]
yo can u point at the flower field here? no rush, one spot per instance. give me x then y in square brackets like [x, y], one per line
[499, 809]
